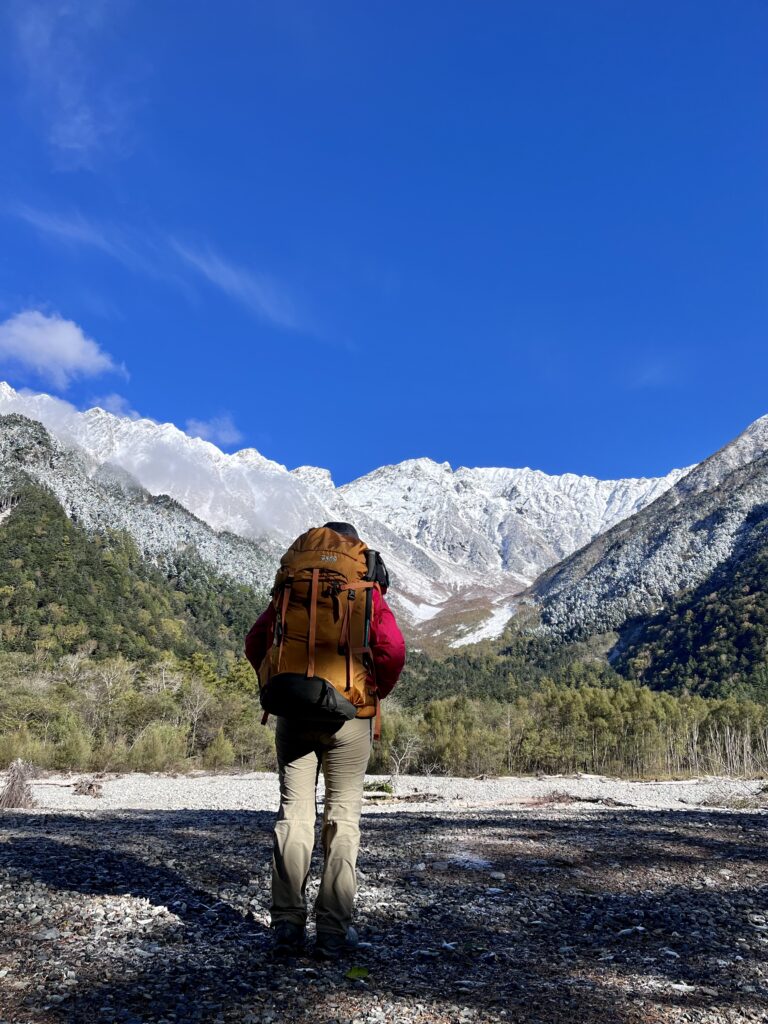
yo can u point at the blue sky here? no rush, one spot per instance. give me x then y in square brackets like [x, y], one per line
[519, 233]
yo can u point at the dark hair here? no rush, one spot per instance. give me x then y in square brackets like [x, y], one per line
[345, 529]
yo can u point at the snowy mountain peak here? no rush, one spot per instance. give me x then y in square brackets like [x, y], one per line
[313, 476]
[96, 412]
[456, 541]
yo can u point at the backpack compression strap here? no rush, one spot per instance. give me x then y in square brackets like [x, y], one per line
[283, 608]
[345, 639]
[312, 635]
[349, 650]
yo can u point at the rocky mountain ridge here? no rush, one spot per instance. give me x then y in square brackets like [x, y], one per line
[670, 546]
[460, 544]
[710, 639]
[105, 497]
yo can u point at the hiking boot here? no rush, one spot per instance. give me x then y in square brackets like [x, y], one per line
[330, 945]
[288, 938]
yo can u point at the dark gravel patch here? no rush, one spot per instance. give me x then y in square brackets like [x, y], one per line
[544, 916]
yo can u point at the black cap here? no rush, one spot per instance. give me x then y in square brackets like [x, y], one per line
[345, 529]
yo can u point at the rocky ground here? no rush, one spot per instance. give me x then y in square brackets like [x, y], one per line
[551, 910]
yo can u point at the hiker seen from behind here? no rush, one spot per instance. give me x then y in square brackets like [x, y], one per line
[326, 650]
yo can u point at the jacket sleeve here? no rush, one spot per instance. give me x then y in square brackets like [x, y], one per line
[387, 645]
[259, 639]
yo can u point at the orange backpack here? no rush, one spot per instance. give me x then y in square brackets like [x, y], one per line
[319, 667]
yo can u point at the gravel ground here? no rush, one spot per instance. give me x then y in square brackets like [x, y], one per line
[474, 907]
[257, 791]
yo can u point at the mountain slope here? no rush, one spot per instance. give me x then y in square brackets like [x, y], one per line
[713, 638]
[459, 544]
[674, 544]
[65, 589]
[100, 498]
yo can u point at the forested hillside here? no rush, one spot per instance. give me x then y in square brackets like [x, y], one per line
[536, 705]
[109, 662]
[713, 639]
[63, 590]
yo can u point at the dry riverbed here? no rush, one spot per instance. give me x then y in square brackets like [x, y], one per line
[528, 900]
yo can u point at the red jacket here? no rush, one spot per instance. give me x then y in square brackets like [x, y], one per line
[386, 642]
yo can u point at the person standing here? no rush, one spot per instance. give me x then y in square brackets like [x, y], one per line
[326, 650]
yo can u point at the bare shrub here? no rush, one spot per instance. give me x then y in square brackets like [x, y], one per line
[17, 792]
[402, 754]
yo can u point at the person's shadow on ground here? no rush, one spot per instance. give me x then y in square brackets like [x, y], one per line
[218, 964]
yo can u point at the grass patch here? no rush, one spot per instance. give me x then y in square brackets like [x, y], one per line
[379, 786]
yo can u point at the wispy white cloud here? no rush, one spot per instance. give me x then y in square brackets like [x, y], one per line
[57, 42]
[164, 258]
[59, 414]
[142, 252]
[219, 429]
[53, 349]
[259, 292]
[75, 229]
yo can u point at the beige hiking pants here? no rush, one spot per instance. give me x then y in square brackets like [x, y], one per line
[343, 756]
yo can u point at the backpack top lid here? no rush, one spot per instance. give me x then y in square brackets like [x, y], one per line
[345, 529]
[322, 540]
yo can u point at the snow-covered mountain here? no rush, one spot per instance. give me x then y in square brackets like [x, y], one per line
[672, 545]
[459, 543]
[105, 497]
[498, 521]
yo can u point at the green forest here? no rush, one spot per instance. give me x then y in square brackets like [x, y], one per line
[712, 639]
[111, 714]
[63, 591]
[109, 663]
